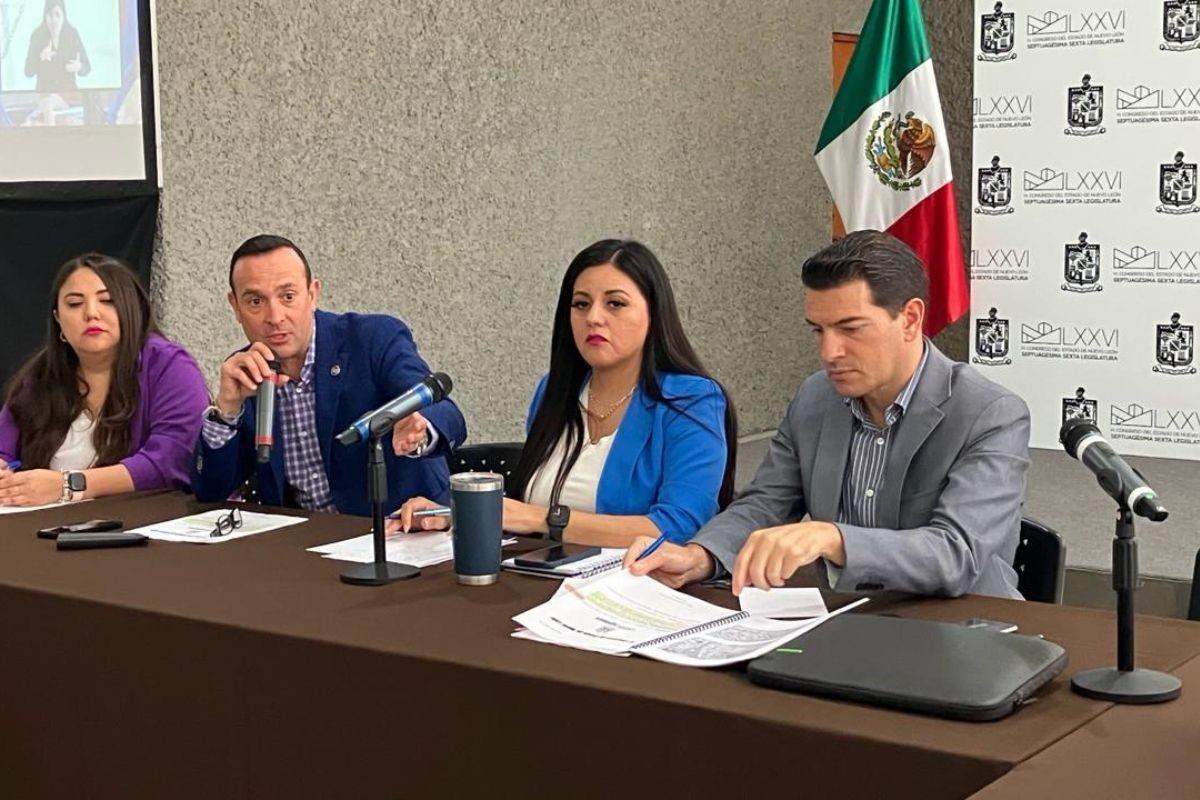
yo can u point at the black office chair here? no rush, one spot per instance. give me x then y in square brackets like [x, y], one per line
[1194, 605]
[1040, 562]
[501, 457]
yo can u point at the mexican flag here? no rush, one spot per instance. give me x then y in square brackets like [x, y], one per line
[883, 151]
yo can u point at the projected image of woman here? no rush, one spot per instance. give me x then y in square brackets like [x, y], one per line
[56, 57]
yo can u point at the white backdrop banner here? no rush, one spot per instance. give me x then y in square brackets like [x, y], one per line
[1085, 262]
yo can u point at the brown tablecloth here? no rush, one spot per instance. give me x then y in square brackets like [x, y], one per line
[247, 670]
[1127, 752]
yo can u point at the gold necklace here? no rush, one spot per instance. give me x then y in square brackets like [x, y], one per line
[601, 416]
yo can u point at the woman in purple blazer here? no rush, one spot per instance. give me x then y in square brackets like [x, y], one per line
[108, 405]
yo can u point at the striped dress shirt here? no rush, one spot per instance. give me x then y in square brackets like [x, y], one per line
[865, 464]
[869, 447]
[867, 460]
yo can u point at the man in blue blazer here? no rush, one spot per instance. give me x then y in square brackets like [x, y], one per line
[333, 368]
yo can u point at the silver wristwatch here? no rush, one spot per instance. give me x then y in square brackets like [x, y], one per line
[423, 447]
[214, 414]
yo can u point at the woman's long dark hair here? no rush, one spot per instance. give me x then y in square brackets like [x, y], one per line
[667, 349]
[47, 394]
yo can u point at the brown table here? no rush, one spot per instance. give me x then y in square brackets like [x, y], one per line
[247, 670]
[1130, 751]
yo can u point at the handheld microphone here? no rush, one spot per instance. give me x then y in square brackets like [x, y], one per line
[264, 418]
[1083, 441]
[424, 394]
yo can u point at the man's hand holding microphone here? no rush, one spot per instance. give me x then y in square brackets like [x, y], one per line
[242, 374]
[255, 371]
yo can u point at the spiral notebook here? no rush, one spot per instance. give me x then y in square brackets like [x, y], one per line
[739, 637]
[621, 614]
[608, 558]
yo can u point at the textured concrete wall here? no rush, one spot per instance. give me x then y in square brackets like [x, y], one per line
[444, 160]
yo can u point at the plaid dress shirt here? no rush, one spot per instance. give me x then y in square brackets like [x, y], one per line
[303, 468]
[302, 464]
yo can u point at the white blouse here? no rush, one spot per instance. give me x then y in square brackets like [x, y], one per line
[77, 452]
[579, 488]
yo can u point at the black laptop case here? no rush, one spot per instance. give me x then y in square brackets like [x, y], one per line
[939, 668]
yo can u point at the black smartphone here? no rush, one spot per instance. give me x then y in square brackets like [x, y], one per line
[557, 556]
[91, 526]
[92, 540]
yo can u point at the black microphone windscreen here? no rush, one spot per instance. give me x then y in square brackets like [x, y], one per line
[441, 385]
[1073, 432]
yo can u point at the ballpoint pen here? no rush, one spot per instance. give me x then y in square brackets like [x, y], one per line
[440, 511]
[657, 543]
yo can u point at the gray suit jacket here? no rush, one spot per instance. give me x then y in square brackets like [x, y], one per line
[950, 503]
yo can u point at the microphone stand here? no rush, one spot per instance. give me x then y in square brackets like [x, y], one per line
[1125, 683]
[380, 571]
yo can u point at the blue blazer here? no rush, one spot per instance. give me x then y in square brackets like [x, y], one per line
[363, 360]
[665, 464]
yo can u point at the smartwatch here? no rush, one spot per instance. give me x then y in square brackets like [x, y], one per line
[74, 484]
[556, 521]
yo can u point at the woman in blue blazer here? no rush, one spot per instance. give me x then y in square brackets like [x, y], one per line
[627, 434]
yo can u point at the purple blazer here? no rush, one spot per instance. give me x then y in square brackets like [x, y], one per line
[171, 401]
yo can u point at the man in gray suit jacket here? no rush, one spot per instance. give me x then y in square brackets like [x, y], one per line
[910, 466]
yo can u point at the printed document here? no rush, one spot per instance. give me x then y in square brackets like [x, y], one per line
[783, 603]
[420, 549]
[198, 528]
[717, 646]
[611, 613]
[20, 509]
[617, 613]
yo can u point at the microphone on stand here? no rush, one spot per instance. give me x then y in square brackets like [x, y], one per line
[374, 425]
[264, 419]
[1126, 683]
[424, 394]
[1083, 441]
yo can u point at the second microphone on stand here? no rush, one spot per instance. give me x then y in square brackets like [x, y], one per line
[424, 394]
[1083, 441]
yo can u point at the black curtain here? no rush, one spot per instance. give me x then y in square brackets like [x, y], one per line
[39, 236]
